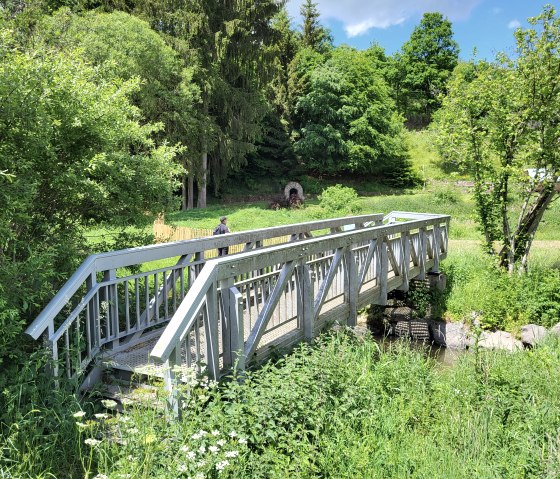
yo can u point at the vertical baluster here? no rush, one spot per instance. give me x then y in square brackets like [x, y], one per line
[127, 306]
[156, 298]
[78, 346]
[174, 288]
[67, 354]
[137, 297]
[166, 278]
[147, 299]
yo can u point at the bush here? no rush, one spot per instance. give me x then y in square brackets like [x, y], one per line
[340, 200]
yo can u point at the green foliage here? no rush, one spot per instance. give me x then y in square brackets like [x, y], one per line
[340, 200]
[344, 407]
[313, 34]
[348, 121]
[77, 155]
[420, 73]
[502, 301]
[488, 125]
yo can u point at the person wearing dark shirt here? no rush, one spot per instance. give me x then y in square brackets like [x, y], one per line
[220, 230]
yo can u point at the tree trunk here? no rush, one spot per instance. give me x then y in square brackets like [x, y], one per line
[184, 190]
[201, 200]
[190, 199]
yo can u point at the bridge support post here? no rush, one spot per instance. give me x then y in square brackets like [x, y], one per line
[211, 334]
[351, 286]
[305, 301]
[405, 252]
[422, 253]
[436, 249]
[382, 272]
[233, 339]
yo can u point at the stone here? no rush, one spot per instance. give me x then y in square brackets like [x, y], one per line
[531, 334]
[450, 335]
[555, 329]
[499, 340]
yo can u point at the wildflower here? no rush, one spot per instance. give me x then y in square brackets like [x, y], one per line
[184, 448]
[149, 438]
[124, 418]
[202, 449]
[221, 442]
[232, 434]
[101, 476]
[101, 416]
[232, 453]
[199, 475]
[214, 449]
[92, 442]
[215, 432]
[182, 468]
[220, 466]
[201, 463]
[79, 414]
[109, 403]
[242, 440]
[81, 425]
[191, 455]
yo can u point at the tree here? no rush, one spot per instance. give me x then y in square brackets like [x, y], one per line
[500, 120]
[77, 156]
[424, 67]
[313, 34]
[349, 123]
[226, 45]
[125, 47]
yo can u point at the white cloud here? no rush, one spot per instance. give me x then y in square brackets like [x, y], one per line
[514, 24]
[360, 16]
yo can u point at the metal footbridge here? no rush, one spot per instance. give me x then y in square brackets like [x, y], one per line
[162, 308]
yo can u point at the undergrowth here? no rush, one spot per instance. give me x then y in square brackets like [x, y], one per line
[344, 407]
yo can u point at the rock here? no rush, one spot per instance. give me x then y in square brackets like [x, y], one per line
[450, 335]
[531, 334]
[499, 340]
[555, 329]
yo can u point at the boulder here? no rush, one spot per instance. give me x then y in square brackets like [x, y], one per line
[499, 340]
[531, 334]
[555, 329]
[451, 335]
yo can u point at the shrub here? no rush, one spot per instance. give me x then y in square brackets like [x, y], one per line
[340, 200]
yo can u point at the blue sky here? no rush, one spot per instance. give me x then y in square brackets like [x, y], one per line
[487, 25]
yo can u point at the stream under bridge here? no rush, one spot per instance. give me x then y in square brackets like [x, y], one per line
[160, 308]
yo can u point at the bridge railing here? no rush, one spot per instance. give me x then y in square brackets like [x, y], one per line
[232, 316]
[114, 297]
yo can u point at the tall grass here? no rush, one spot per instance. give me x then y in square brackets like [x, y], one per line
[342, 408]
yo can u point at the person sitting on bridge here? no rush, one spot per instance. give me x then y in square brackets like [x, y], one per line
[220, 230]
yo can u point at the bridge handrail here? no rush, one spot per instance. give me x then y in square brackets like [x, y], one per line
[224, 267]
[131, 256]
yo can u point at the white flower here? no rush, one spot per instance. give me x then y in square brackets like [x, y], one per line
[202, 449]
[215, 432]
[242, 440]
[81, 425]
[184, 448]
[199, 475]
[182, 468]
[101, 476]
[101, 415]
[124, 418]
[214, 449]
[191, 455]
[232, 453]
[220, 466]
[232, 434]
[221, 442]
[201, 463]
[79, 414]
[109, 403]
[92, 442]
